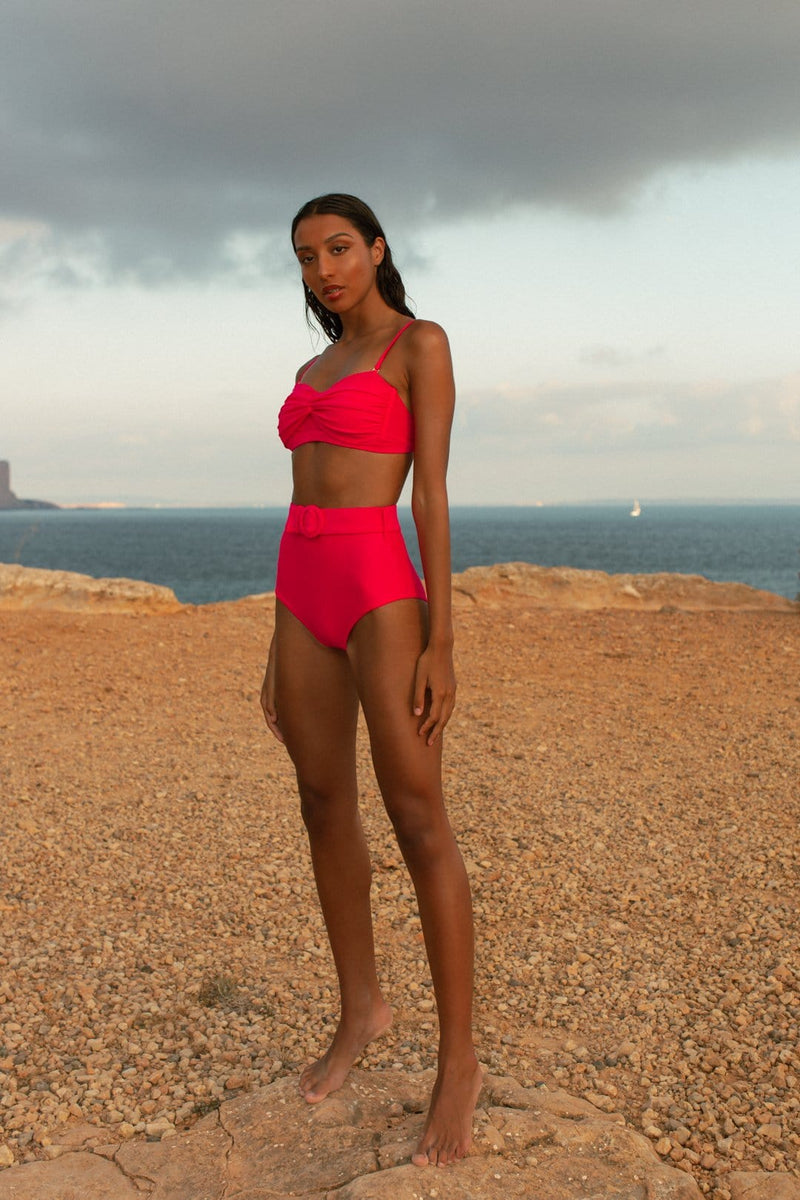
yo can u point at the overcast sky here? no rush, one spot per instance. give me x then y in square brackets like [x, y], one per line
[598, 199]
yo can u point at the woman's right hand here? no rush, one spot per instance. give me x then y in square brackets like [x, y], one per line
[268, 695]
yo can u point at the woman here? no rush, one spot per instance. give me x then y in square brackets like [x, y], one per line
[353, 625]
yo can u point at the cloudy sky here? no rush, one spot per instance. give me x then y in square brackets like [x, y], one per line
[597, 198]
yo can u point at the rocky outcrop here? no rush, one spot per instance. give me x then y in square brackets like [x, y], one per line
[9, 499]
[270, 1144]
[541, 587]
[30, 587]
[568, 587]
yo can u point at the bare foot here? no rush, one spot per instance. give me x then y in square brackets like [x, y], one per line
[328, 1073]
[447, 1135]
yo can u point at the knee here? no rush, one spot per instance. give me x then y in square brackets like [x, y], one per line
[422, 830]
[318, 803]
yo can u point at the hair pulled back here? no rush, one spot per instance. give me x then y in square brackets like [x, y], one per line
[361, 216]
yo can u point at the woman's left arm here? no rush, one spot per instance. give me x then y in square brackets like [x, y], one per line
[432, 393]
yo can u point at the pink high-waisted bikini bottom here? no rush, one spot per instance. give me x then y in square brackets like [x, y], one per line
[336, 564]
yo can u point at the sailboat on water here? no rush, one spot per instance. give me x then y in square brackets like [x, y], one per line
[636, 511]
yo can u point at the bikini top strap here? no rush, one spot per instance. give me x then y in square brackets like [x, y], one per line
[399, 333]
[307, 368]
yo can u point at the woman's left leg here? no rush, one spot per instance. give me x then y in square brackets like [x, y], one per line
[384, 648]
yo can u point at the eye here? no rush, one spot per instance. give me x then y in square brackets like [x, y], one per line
[338, 249]
[304, 259]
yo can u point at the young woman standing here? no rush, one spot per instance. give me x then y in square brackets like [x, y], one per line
[353, 625]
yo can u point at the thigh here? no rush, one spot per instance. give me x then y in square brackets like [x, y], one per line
[384, 648]
[317, 704]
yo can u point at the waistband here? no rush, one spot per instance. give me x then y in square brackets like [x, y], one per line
[312, 521]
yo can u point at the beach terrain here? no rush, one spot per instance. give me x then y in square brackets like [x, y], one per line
[622, 771]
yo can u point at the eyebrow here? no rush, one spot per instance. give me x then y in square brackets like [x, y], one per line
[332, 238]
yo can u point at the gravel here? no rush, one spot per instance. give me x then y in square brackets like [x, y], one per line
[625, 791]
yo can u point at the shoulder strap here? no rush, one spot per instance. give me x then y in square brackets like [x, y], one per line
[307, 368]
[379, 363]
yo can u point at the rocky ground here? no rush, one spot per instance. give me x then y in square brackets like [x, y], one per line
[625, 789]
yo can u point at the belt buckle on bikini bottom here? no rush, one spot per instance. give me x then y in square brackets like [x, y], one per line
[311, 521]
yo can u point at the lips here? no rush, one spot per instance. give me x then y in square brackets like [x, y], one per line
[331, 292]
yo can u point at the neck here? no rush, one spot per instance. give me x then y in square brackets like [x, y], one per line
[372, 314]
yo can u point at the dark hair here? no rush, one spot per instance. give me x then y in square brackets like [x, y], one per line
[360, 215]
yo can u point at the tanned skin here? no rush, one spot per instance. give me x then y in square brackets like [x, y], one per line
[398, 665]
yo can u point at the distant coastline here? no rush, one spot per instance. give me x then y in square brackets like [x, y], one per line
[14, 505]
[9, 501]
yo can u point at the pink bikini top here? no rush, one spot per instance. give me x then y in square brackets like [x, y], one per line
[361, 411]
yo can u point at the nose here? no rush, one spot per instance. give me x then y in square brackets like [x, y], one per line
[325, 266]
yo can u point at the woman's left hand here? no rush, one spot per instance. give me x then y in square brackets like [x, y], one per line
[435, 683]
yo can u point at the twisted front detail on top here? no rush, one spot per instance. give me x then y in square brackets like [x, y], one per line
[362, 411]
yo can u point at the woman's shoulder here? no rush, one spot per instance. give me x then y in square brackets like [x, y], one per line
[302, 370]
[426, 338]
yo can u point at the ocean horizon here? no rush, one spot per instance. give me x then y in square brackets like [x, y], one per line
[213, 554]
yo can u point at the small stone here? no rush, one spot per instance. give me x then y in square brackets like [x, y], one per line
[494, 1138]
[159, 1129]
[604, 1103]
[6, 1157]
[52, 1152]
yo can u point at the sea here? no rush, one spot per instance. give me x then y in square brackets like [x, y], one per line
[213, 554]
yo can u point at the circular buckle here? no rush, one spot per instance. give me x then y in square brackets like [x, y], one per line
[311, 520]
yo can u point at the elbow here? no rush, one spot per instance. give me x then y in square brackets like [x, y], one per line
[427, 501]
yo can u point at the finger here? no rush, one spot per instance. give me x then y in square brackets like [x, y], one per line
[439, 716]
[420, 685]
[428, 727]
[274, 727]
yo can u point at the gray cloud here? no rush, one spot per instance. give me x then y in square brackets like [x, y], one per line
[636, 416]
[144, 136]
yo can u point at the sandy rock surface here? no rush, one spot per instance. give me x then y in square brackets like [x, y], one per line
[625, 790]
[30, 587]
[567, 587]
[552, 587]
[530, 1142]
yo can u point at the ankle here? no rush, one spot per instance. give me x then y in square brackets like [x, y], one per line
[460, 1061]
[364, 1010]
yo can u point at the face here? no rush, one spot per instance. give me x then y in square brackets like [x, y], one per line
[336, 263]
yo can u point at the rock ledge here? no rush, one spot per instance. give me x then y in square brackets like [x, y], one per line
[568, 587]
[356, 1146]
[270, 1145]
[32, 587]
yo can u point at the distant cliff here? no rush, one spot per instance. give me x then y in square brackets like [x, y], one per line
[8, 499]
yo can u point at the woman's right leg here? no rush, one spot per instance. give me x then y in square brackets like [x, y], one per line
[317, 710]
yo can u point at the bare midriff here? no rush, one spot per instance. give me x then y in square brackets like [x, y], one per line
[340, 477]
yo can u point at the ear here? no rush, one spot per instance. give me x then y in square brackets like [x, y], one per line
[378, 249]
